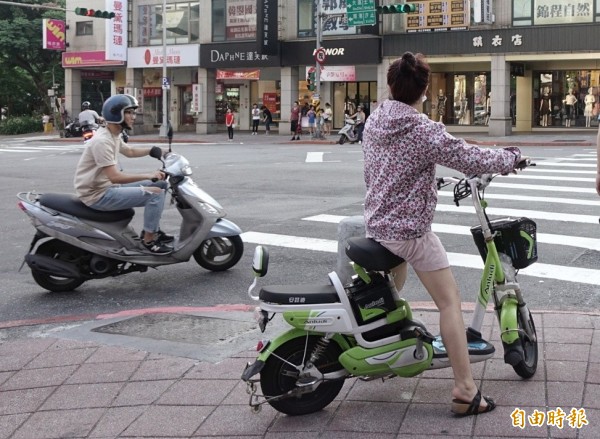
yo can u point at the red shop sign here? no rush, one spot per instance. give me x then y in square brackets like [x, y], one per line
[151, 92]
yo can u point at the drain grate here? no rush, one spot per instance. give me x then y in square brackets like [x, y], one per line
[183, 328]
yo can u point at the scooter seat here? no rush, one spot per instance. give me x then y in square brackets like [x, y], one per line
[298, 294]
[72, 205]
[371, 255]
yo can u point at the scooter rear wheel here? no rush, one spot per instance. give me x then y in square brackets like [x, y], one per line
[342, 139]
[219, 254]
[527, 367]
[56, 249]
[278, 376]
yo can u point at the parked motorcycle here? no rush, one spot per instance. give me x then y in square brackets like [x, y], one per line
[348, 132]
[74, 243]
[73, 129]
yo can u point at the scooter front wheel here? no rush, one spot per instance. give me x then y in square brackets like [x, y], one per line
[342, 139]
[527, 366]
[219, 254]
[279, 376]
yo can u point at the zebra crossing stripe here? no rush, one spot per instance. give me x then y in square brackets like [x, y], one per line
[542, 238]
[539, 270]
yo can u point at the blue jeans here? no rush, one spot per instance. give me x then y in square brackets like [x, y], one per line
[129, 195]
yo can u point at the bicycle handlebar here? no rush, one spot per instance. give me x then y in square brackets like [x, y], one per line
[463, 187]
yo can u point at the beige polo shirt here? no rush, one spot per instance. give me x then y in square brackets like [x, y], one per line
[90, 181]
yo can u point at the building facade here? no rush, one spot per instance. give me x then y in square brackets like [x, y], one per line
[500, 66]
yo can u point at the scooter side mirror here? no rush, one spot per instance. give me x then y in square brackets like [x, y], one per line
[260, 261]
[156, 152]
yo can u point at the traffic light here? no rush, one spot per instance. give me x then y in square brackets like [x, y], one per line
[396, 9]
[310, 80]
[94, 13]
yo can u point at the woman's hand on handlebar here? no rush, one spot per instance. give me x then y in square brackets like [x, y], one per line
[523, 163]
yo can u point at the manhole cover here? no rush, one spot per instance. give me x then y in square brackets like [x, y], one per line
[181, 328]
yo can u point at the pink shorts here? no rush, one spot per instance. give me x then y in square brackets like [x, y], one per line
[425, 253]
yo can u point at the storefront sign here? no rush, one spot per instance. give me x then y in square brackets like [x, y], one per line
[561, 12]
[340, 52]
[98, 75]
[116, 30]
[181, 55]
[240, 20]
[87, 59]
[266, 29]
[151, 92]
[196, 104]
[223, 55]
[146, 24]
[336, 73]
[517, 69]
[250, 74]
[335, 19]
[53, 34]
[439, 16]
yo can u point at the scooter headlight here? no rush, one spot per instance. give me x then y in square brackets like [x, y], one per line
[186, 170]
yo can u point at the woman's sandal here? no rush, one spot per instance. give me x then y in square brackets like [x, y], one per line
[463, 408]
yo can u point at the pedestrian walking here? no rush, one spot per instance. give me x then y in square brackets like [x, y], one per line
[230, 123]
[294, 119]
[267, 119]
[255, 119]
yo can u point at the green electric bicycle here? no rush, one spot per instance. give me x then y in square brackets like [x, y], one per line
[364, 329]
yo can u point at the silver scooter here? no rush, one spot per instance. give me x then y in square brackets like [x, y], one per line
[348, 133]
[74, 243]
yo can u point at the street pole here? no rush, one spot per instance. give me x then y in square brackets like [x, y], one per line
[317, 65]
[165, 100]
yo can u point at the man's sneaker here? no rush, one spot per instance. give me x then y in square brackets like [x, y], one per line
[161, 237]
[157, 247]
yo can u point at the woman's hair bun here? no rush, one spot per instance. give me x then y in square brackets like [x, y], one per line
[408, 63]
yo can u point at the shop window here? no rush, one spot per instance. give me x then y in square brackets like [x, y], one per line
[180, 19]
[84, 28]
[233, 20]
[569, 98]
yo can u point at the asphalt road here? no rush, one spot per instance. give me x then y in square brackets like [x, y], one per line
[299, 191]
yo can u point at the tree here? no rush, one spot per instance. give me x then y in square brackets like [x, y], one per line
[26, 69]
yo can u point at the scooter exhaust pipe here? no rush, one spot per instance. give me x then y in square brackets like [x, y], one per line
[53, 267]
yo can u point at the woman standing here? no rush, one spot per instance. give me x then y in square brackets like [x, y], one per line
[402, 147]
[230, 123]
[294, 119]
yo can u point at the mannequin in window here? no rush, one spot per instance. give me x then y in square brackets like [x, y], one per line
[464, 111]
[589, 101]
[569, 101]
[441, 105]
[545, 106]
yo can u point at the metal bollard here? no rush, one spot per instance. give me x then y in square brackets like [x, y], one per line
[349, 227]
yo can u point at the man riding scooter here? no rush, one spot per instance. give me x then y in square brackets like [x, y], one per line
[88, 120]
[101, 185]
